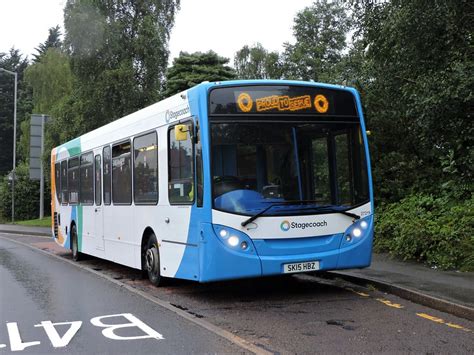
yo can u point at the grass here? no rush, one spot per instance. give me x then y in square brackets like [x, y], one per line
[44, 222]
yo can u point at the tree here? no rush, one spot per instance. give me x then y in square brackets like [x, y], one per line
[320, 31]
[119, 53]
[50, 81]
[191, 69]
[257, 63]
[13, 61]
[418, 95]
[53, 41]
[26, 195]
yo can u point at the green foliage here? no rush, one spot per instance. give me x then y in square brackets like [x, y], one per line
[119, 54]
[416, 79]
[26, 195]
[320, 31]
[53, 41]
[435, 230]
[50, 79]
[12, 61]
[44, 222]
[257, 63]
[191, 69]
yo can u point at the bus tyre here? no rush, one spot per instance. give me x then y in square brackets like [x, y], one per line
[152, 261]
[76, 255]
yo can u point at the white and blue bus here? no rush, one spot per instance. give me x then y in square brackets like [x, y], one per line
[225, 180]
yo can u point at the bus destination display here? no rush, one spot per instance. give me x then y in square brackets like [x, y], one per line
[281, 100]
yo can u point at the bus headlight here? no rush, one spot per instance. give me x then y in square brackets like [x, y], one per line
[356, 232]
[234, 239]
[223, 233]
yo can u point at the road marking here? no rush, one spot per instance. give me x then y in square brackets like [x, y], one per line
[109, 329]
[357, 292]
[441, 321]
[16, 344]
[56, 340]
[390, 304]
[244, 344]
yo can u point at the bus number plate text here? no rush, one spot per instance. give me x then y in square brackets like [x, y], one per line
[300, 267]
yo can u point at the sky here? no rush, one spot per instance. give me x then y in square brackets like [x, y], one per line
[224, 26]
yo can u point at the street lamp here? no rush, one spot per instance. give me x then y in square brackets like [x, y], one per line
[15, 74]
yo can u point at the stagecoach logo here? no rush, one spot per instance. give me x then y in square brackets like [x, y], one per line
[285, 226]
[171, 115]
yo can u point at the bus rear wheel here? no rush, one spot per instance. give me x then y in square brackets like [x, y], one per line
[76, 255]
[152, 262]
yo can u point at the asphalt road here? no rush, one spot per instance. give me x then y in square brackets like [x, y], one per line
[40, 290]
[288, 314]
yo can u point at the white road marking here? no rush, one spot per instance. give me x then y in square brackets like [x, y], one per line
[53, 335]
[109, 331]
[16, 344]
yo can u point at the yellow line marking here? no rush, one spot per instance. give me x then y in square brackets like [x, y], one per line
[427, 316]
[357, 292]
[441, 321]
[390, 304]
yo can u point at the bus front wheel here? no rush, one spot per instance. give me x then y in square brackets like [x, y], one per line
[76, 255]
[152, 261]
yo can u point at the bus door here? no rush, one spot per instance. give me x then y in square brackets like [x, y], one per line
[181, 196]
[98, 208]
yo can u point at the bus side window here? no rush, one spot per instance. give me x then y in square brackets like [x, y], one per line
[57, 180]
[180, 168]
[121, 174]
[107, 175]
[64, 191]
[145, 170]
[73, 180]
[98, 182]
[86, 180]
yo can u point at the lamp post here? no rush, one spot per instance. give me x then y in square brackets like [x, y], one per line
[15, 74]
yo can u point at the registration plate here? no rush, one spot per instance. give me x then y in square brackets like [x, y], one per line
[300, 267]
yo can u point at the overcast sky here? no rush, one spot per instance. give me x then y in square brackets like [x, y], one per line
[221, 25]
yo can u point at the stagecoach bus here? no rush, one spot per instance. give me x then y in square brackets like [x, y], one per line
[225, 180]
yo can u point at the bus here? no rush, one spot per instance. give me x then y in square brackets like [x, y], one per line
[225, 180]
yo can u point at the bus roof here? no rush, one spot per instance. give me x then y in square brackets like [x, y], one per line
[180, 100]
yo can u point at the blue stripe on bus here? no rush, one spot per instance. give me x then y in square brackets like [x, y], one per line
[189, 266]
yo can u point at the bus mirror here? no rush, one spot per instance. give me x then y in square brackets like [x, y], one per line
[181, 132]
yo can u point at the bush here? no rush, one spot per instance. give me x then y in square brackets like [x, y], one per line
[26, 196]
[435, 230]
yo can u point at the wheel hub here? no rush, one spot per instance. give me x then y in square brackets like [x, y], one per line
[151, 258]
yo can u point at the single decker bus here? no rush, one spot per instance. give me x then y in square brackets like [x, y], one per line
[225, 180]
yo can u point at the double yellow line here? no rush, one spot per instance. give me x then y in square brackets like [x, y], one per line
[422, 315]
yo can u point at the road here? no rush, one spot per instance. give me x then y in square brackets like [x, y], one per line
[288, 314]
[40, 290]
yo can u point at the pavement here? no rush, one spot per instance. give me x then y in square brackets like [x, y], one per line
[447, 291]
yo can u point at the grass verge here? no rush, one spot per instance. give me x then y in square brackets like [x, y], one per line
[44, 222]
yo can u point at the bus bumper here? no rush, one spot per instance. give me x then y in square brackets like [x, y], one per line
[268, 256]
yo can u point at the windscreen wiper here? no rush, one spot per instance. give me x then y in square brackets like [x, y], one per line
[296, 202]
[331, 210]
